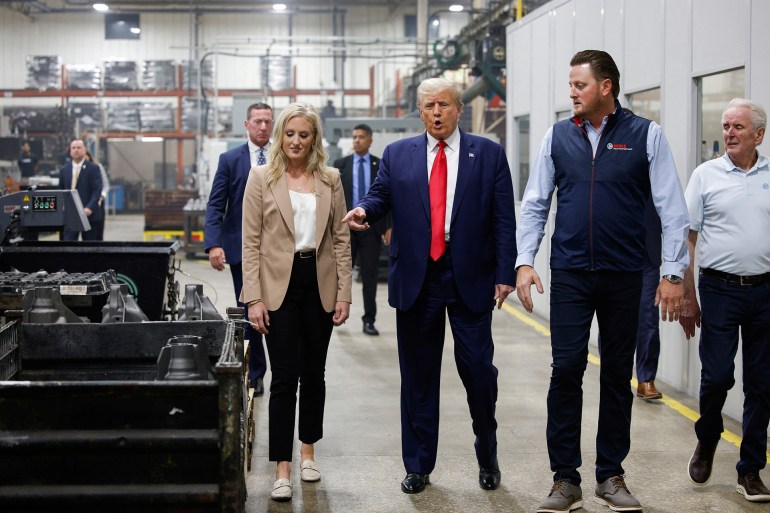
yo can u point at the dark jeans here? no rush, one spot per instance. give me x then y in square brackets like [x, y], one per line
[726, 308]
[420, 333]
[575, 297]
[297, 342]
[648, 337]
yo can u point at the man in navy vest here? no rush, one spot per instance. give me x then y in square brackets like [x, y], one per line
[605, 163]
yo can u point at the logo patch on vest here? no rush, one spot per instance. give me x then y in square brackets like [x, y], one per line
[621, 147]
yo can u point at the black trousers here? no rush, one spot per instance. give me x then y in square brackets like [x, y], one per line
[297, 343]
[257, 361]
[366, 247]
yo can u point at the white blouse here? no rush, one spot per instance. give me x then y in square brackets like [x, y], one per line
[303, 204]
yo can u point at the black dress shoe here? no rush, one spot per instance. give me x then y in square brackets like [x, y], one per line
[369, 329]
[258, 386]
[414, 482]
[701, 463]
[489, 478]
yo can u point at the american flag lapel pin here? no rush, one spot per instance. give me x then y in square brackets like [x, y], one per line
[471, 155]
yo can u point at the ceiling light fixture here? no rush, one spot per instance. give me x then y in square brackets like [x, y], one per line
[279, 7]
[101, 7]
[456, 8]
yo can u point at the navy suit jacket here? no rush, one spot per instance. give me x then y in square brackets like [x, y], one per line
[345, 165]
[224, 213]
[89, 186]
[483, 222]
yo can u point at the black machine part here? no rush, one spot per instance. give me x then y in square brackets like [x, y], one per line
[121, 306]
[44, 305]
[196, 306]
[184, 357]
[48, 210]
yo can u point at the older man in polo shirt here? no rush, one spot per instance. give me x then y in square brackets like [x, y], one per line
[728, 199]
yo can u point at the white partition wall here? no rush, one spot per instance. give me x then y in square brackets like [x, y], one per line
[666, 44]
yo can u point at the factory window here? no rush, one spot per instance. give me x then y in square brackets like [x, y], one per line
[522, 124]
[410, 25]
[121, 26]
[646, 104]
[714, 92]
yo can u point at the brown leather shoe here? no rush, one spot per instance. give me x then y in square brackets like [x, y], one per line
[647, 391]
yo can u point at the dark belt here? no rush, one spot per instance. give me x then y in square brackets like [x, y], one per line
[307, 253]
[757, 279]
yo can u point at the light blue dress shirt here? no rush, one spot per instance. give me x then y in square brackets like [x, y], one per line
[667, 196]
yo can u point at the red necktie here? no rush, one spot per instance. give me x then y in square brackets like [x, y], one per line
[438, 203]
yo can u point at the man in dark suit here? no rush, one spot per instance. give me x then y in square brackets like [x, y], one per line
[222, 234]
[358, 172]
[86, 178]
[452, 250]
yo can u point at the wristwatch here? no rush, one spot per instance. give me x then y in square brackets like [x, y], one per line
[672, 278]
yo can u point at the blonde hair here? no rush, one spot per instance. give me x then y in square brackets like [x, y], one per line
[317, 158]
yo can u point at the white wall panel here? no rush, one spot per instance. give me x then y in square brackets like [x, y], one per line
[615, 32]
[541, 117]
[563, 50]
[679, 126]
[589, 24]
[643, 44]
[520, 71]
[541, 111]
[759, 68]
[719, 35]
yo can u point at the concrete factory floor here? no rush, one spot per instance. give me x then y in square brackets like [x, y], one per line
[360, 454]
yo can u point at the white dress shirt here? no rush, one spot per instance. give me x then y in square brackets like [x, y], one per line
[452, 152]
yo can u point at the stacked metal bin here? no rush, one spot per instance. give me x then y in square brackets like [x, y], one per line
[87, 422]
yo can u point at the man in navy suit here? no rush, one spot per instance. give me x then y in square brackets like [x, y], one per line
[222, 235]
[452, 251]
[358, 172]
[88, 182]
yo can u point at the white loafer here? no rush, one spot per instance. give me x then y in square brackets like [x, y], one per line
[281, 490]
[309, 472]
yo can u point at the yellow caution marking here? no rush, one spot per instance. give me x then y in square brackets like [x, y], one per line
[675, 405]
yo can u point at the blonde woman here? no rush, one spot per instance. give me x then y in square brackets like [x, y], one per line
[296, 280]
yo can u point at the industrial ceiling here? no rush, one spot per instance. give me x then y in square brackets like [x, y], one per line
[42, 7]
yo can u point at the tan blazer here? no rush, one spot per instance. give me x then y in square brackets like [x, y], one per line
[269, 244]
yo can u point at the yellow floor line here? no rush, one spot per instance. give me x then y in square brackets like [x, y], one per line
[675, 405]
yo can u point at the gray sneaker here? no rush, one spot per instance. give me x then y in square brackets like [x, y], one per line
[564, 497]
[614, 493]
